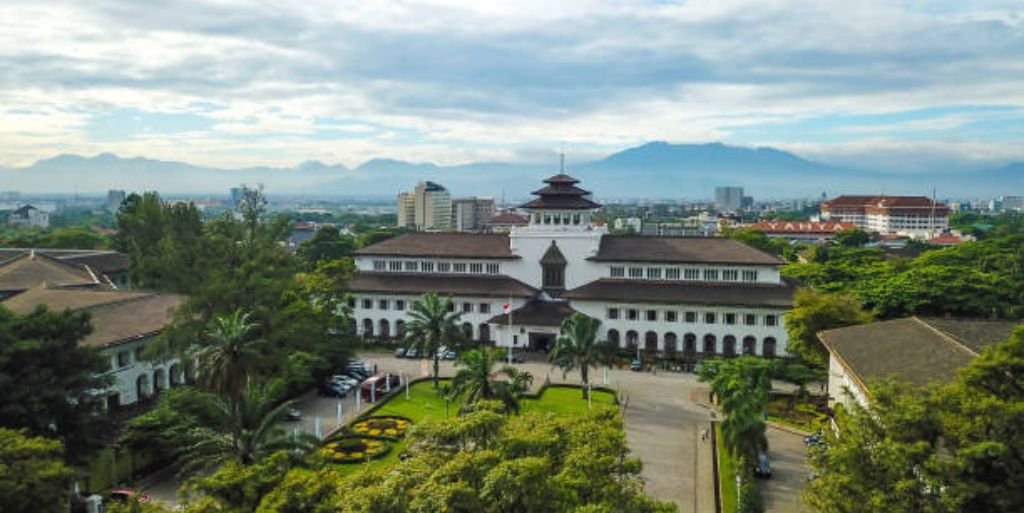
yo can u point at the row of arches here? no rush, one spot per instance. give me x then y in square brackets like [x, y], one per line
[147, 385]
[670, 343]
[382, 329]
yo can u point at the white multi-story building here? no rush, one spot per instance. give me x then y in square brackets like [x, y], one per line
[910, 216]
[683, 296]
[471, 214]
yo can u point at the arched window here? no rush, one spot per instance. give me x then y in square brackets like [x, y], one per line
[400, 328]
[690, 343]
[709, 343]
[352, 326]
[385, 328]
[367, 327]
[768, 348]
[159, 380]
[467, 330]
[670, 343]
[575, 219]
[651, 341]
[749, 345]
[142, 387]
[175, 376]
[632, 339]
[613, 337]
[729, 343]
[485, 332]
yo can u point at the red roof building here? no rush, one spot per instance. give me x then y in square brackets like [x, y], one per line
[912, 216]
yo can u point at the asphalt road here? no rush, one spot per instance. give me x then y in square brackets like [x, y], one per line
[788, 455]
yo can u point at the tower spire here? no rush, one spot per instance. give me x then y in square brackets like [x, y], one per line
[561, 163]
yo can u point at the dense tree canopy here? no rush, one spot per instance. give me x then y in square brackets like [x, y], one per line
[33, 477]
[813, 312]
[47, 380]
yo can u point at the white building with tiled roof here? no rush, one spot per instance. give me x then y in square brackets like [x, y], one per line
[685, 297]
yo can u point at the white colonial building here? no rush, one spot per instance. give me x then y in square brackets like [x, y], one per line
[675, 296]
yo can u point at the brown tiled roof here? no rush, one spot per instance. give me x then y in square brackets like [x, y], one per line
[562, 202]
[561, 178]
[512, 218]
[537, 312]
[684, 292]
[683, 250]
[919, 351]
[553, 256]
[117, 316]
[442, 284]
[31, 269]
[105, 262]
[451, 245]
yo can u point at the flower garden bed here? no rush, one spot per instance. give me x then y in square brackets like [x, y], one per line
[355, 449]
[391, 427]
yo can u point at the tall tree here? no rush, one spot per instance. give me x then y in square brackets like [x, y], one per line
[433, 323]
[817, 311]
[325, 245]
[476, 380]
[578, 347]
[741, 385]
[48, 381]
[33, 477]
[227, 357]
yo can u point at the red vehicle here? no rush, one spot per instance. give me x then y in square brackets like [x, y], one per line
[125, 495]
[374, 387]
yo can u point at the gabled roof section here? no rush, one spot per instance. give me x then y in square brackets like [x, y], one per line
[915, 350]
[31, 268]
[443, 245]
[553, 256]
[684, 292]
[681, 250]
[561, 178]
[116, 316]
[441, 284]
[537, 312]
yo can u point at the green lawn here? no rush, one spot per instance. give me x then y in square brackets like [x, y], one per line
[424, 404]
[726, 473]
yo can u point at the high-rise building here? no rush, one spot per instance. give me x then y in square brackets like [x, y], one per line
[728, 199]
[114, 200]
[236, 196]
[471, 214]
[428, 207]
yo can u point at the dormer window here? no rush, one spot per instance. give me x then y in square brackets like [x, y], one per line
[553, 269]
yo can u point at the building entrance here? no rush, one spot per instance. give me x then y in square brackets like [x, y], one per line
[541, 341]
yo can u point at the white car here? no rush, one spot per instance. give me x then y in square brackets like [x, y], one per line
[345, 380]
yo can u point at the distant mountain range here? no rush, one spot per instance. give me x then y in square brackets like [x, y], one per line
[654, 170]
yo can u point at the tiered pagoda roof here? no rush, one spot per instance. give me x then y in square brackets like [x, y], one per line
[561, 193]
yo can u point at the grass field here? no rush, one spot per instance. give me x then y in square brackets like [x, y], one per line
[726, 473]
[425, 404]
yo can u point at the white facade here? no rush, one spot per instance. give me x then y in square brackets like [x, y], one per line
[135, 379]
[843, 387]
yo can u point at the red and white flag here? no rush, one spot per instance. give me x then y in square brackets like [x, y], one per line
[507, 308]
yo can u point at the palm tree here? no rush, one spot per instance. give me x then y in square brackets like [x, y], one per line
[228, 356]
[742, 386]
[433, 324]
[475, 381]
[245, 431]
[578, 348]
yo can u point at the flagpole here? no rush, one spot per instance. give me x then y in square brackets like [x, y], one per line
[510, 336]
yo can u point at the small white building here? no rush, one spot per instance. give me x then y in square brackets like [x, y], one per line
[916, 350]
[686, 297]
[28, 215]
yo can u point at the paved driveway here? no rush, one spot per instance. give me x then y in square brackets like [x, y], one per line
[789, 473]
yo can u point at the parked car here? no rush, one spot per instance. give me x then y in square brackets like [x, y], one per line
[412, 353]
[400, 352]
[395, 380]
[341, 378]
[449, 355]
[518, 358]
[763, 468]
[636, 366]
[361, 366]
[125, 495]
[813, 439]
[359, 374]
[293, 414]
[335, 389]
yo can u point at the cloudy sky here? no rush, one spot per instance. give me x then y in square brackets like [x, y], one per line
[871, 83]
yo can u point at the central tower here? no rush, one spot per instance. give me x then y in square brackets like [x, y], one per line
[553, 248]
